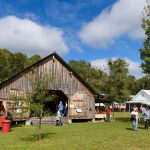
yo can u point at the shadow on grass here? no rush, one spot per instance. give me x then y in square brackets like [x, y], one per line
[123, 119]
[143, 128]
[134, 130]
[18, 125]
[35, 137]
[131, 129]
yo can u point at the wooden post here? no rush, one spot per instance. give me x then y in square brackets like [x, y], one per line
[113, 108]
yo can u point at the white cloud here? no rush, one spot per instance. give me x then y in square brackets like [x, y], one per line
[101, 64]
[124, 18]
[29, 37]
[134, 67]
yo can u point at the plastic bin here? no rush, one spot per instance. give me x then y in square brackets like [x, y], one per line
[6, 126]
[2, 118]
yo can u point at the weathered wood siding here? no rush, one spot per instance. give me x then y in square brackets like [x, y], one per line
[64, 80]
[84, 102]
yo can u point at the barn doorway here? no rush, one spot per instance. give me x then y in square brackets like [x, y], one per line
[52, 106]
[2, 109]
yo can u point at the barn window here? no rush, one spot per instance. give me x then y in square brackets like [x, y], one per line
[71, 74]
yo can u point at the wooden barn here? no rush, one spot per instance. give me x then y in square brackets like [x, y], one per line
[68, 85]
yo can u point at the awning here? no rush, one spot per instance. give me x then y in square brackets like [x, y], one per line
[142, 97]
[140, 102]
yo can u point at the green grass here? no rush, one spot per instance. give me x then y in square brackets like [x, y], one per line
[116, 135]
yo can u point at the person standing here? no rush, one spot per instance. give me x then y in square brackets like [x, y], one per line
[60, 107]
[147, 117]
[134, 118]
[66, 109]
[97, 111]
[143, 114]
[107, 111]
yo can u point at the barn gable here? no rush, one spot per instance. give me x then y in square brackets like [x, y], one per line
[66, 80]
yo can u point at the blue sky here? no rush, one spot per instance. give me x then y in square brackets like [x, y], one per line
[88, 30]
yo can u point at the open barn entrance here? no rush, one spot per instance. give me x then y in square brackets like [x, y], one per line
[52, 106]
[2, 109]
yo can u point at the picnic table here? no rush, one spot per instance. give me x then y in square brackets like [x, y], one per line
[100, 116]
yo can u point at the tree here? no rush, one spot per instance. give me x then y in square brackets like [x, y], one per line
[12, 63]
[116, 84]
[36, 98]
[132, 84]
[145, 51]
[143, 83]
[32, 60]
[16, 62]
[93, 76]
[4, 70]
[40, 94]
[82, 67]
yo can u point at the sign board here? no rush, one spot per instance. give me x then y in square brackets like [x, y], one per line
[71, 106]
[78, 110]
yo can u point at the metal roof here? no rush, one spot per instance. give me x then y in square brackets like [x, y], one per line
[142, 97]
[61, 61]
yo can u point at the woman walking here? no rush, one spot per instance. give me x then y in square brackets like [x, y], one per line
[134, 119]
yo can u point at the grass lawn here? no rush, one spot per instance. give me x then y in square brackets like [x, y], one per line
[116, 135]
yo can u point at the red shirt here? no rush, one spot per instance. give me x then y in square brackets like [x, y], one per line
[107, 110]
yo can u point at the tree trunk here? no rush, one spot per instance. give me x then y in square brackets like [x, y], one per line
[113, 109]
[40, 128]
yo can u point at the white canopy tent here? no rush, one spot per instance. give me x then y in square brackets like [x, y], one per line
[143, 97]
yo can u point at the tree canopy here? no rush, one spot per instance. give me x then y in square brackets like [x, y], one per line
[145, 51]
[12, 63]
[116, 84]
[93, 76]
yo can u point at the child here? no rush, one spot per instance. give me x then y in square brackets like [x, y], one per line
[58, 119]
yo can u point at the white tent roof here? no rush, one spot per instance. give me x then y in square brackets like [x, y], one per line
[142, 97]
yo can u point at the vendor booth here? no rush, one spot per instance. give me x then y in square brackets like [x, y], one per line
[141, 98]
[100, 111]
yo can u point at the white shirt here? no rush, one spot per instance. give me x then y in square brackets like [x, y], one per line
[135, 113]
[147, 113]
[58, 114]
